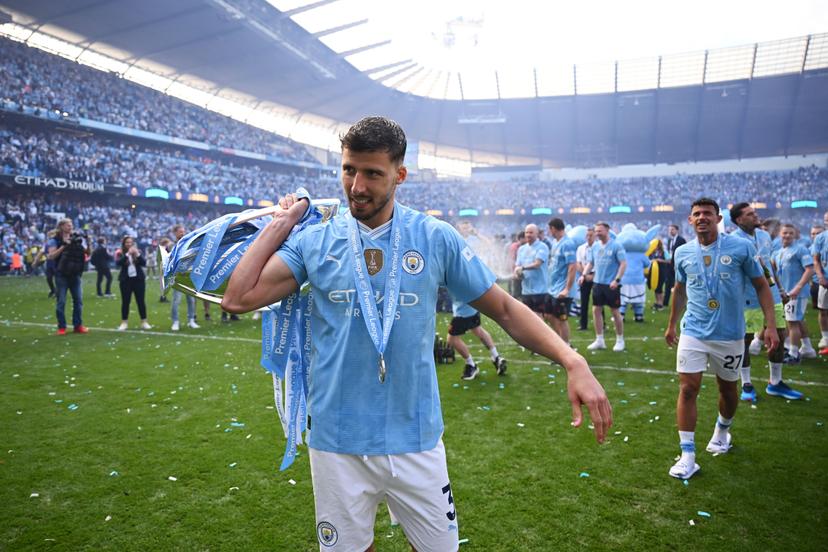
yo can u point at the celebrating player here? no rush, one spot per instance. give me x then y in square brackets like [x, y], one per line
[795, 265]
[748, 221]
[561, 277]
[373, 396]
[712, 274]
[531, 267]
[608, 258]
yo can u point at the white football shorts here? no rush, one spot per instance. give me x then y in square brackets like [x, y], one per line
[795, 309]
[822, 298]
[723, 357]
[347, 490]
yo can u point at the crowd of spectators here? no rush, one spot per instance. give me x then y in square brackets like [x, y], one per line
[26, 220]
[35, 79]
[106, 160]
[767, 187]
[111, 161]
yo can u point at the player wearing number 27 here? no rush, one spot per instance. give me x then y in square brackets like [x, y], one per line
[712, 273]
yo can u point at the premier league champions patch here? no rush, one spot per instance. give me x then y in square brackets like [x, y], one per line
[326, 533]
[413, 262]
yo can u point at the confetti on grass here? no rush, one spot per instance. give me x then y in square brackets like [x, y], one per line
[463, 541]
[584, 474]
[703, 514]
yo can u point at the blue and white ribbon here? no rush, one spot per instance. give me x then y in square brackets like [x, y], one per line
[379, 330]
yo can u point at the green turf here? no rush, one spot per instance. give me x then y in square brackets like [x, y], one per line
[151, 405]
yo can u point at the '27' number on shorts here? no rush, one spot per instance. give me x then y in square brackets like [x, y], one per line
[451, 514]
[733, 361]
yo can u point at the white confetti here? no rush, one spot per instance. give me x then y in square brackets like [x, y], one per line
[107, 518]
[172, 478]
[291, 481]
[34, 495]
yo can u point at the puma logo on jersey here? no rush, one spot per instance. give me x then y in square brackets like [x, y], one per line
[330, 257]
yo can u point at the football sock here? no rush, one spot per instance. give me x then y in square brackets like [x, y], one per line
[494, 353]
[775, 372]
[687, 442]
[744, 372]
[470, 361]
[722, 427]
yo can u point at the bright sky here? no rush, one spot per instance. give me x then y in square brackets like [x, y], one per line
[516, 36]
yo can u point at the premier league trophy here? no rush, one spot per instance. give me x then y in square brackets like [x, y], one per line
[201, 262]
[200, 265]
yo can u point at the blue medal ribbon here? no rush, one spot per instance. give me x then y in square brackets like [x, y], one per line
[378, 329]
[711, 284]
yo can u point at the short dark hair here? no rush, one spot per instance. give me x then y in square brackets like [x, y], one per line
[521, 235]
[706, 201]
[675, 226]
[602, 223]
[372, 134]
[737, 209]
[556, 223]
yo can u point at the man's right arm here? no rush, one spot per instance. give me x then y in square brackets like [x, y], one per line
[262, 277]
[822, 278]
[677, 306]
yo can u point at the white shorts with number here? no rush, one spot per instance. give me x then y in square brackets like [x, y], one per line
[724, 357]
[347, 490]
[795, 309]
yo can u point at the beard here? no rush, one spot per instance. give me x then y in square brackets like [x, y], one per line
[368, 214]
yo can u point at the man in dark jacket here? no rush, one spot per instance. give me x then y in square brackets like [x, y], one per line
[101, 260]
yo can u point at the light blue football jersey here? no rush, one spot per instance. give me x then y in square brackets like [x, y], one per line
[820, 246]
[737, 266]
[636, 263]
[351, 411]
[791, 263]
[535, 281]
[462, 310]
[561, 256]
[763, 245]
[606, 259]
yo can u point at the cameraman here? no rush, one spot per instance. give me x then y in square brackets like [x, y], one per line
[68, 251]
[100, 260]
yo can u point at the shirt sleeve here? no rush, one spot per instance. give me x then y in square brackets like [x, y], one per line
[543, 253]
[806, 258]
[291, 253]
[681, 275]
[466, 277]
[569, 254]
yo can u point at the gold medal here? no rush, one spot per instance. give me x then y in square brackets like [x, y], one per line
[712, 304]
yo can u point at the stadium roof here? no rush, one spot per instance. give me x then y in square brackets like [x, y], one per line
[282, 70]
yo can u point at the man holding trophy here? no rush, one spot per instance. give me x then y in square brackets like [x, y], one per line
[373, 395]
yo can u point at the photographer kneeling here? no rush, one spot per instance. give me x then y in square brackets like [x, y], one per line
[68, 250]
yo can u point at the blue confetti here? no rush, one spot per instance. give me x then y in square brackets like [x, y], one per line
[703, 514]
[113, 473]
[502, 386]
[237, 424]
[686, 483]
[73, 406]
[584, 474]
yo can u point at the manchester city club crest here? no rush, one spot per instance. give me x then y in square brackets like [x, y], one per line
[373, 260]
[413, 262]
[726, 260]
[326, 533]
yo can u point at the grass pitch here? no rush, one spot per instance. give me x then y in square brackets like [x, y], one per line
[169, 441]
